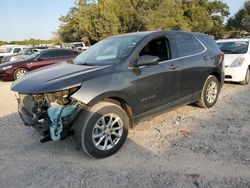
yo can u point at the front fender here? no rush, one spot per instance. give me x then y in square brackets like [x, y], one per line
[93, 98]
[108, 86]
[90, 98]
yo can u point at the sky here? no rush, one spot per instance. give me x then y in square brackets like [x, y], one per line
[25, 19]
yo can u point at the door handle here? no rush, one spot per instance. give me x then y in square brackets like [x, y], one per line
[173, 67]
[205, 58]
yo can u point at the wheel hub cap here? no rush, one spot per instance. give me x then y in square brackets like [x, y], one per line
[21, 73]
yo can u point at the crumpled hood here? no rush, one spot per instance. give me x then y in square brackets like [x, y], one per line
[230, 58]
[55, 78]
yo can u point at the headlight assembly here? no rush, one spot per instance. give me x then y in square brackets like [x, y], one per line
[61, 97]
[7, 67]
[238, 62]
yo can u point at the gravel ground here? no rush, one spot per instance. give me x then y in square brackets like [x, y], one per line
[188, 147]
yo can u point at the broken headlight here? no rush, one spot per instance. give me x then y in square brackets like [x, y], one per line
[61, 97]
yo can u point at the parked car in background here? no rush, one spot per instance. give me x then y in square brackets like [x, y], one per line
[23, 53]
[76, 46]
[9, 50]
[117, 82]
[16, 69]
[237, 59]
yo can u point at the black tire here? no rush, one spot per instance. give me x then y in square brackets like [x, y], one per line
[205, 101]
[84, 128]
[246, 80]
[17, 71]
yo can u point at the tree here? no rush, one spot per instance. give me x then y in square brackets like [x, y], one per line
[240, 21]
[68, 29]
[94, 22]
[206, 16]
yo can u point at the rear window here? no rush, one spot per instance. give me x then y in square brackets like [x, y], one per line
[187, 45]
[237, 47]
[209, 42]
[49, 54]
[66, 53]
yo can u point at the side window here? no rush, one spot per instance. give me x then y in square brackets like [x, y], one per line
[210, 44]
[63, 53]
[157, 47]
[187, 45]
[16, 50]
[49, 55]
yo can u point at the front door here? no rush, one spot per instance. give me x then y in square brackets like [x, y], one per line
[156, 85]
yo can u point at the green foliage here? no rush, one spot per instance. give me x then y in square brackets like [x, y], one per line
[93, 22]
[2, 43]
[31, 42]
[240, 22]
[206, 16]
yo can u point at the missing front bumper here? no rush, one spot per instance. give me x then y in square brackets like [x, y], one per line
[49, 125]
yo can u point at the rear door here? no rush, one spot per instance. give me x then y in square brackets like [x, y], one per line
[193, 63]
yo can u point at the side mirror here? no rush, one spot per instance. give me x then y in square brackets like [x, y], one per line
[148, 60]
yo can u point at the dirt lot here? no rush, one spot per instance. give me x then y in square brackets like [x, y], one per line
[188, 147]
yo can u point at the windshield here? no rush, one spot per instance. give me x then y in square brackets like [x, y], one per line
[5, 50]
[239, 47]
[108, 51]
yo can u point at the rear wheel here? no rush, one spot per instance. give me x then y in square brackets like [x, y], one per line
[210, 92]
[246, 80]
[102, 130]
[19, 73]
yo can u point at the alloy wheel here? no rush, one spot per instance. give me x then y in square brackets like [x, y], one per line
[107, 131]
[211, 93]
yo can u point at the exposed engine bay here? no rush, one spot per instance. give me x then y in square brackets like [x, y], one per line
[50, 113]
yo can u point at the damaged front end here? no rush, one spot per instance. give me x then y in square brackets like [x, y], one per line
[51, 114]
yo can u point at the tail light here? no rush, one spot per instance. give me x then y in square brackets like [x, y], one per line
[222, 56]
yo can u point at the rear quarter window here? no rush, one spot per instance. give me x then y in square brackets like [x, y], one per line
[64, 53]
[49, 55]
[187, 45]
[210, 43]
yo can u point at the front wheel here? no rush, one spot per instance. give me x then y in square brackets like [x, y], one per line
[210, 92]
[247, 78]
[102, 130]
[19, 73]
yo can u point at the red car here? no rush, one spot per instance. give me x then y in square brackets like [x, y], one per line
[14, 70]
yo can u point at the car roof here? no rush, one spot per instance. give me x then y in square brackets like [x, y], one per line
[58, 49]
[141, 33]
[233, 40]
[145, 33]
